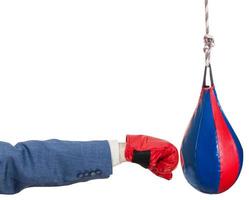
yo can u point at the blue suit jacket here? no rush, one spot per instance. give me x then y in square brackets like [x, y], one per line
[52, 163]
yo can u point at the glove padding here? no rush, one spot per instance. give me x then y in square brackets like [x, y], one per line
[159, 156]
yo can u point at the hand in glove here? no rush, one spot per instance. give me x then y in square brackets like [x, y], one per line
[159, 156]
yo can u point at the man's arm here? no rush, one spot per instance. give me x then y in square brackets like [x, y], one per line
[56, 162]
[52, 163]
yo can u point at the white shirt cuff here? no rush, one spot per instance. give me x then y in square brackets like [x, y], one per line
[114, 147]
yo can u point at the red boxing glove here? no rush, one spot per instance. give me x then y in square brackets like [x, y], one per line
[159, 156]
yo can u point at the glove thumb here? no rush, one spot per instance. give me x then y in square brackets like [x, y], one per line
[166, 162]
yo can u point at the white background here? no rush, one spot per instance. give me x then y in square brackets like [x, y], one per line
[101, 69]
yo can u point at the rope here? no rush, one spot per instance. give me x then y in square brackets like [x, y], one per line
[208, 39]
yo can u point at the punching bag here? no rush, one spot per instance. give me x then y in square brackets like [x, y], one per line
[211, 154]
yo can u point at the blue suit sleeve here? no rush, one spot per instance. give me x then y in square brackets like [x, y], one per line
[52, 163]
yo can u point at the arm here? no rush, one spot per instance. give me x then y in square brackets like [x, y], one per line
[52, 163]
[56, 162]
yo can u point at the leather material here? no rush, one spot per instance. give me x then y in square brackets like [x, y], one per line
[211, 154]
[163, 157]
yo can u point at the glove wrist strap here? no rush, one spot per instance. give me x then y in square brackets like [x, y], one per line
[142, 158]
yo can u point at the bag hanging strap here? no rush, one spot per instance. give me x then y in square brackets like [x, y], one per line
[209, 70]
[208, 44]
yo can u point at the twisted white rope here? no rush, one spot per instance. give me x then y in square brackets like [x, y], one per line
[208, 39]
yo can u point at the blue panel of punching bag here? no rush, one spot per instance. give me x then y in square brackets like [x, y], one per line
[211, 153]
